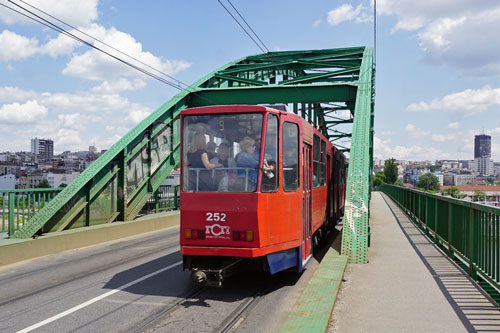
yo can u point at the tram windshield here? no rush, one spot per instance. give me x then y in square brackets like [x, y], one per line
[221, 152]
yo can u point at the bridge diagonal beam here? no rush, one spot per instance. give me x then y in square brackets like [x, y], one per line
[355, 230]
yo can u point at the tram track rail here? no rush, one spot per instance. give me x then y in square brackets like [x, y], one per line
[167, 311]
[228, 324]
[238, 316]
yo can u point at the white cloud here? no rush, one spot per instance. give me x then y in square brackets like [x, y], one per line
[61, 45]
[452, 32]
[415, 131]
[412, 15]
[137, 116]
[383, 150]
[343, 13]
[435, 34]
[453, 125]
[469, 101]
[76, 121]
[443, 137]
[317, 23]
[76, 12]
[15, 94]
[16, 47]
[116, 86]
[28, 112]
[68, 138]
[94, 65]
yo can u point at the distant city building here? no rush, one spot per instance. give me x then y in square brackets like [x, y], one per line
[8, 182]
[496, 168]
[450, 165]
[58, 177]
[440, 179]
[492, 193]
[482, 146]
[92, 149]
[482, 155]
[467, 164]
[464, 179]
[44, 148]
[34, 177]
[448, 179]
[173, 178]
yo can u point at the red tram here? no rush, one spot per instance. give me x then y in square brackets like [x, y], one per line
[258, 186]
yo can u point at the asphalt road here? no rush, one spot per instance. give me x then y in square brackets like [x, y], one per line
[137, 285]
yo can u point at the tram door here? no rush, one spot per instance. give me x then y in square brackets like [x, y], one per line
[306, 201]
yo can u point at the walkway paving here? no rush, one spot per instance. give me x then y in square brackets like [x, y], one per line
[409, 285]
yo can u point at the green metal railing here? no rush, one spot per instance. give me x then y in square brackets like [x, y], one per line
[18, 206]
[467, 231]
[165, 198]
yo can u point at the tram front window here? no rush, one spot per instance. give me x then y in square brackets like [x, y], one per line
[221, 152]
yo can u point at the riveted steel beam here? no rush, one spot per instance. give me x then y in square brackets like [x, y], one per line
[355, 231]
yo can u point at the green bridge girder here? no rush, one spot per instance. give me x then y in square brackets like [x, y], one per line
[316, 83]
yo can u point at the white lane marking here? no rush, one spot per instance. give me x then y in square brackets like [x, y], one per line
[116, 301]
[96, 299]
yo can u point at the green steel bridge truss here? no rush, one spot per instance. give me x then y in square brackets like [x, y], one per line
[316, 84]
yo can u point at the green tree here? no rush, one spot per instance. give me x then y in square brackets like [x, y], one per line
[43, 184]
[390, 171]
[490, 181]
[428, 182]
[379, 179]
[479, 195]
[453, 192]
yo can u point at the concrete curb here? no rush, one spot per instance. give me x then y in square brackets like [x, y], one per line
[15, 250]
[314, 307]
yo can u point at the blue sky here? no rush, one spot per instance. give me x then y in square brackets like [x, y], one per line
[437, 81]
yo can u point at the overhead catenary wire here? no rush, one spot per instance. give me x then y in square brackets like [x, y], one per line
[53, 26]
[248, 25]
[104, 43]
[242, 27]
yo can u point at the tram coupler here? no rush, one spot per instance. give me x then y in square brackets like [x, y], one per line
[213, 277]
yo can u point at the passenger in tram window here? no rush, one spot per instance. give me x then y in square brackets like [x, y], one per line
[258, 141]
[246, 159]
[198, 159]
[269, 181]
[211, 150]
[225, 177]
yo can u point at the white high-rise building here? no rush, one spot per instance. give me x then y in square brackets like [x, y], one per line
[44, 148]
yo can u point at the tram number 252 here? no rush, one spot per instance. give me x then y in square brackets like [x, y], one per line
[216, 217]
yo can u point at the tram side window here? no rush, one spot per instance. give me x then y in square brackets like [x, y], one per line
[290, 157]
[323, 163]
[270, 164]
[316, 161]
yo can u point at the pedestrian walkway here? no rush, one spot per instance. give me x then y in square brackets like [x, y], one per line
[409, 284]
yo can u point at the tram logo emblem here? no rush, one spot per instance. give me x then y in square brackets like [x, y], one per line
[217, 231]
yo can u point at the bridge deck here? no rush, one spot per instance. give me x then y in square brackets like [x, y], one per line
[409, 284]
